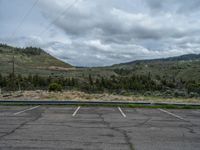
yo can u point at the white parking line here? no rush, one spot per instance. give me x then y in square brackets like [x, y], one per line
[17, 113]
[76, 111]
[174, 115]
[123, 114]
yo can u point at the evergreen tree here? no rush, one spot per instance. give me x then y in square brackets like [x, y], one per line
[90, 80]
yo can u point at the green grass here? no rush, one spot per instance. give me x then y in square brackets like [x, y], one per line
[165, 106]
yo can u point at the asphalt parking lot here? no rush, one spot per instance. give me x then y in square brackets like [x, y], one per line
[98, 128]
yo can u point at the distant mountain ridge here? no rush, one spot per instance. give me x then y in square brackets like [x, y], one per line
[186, 67]
[186, 57]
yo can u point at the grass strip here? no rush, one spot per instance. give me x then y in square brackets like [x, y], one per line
[148, 106]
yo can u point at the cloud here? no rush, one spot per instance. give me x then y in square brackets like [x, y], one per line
[102, 32]
[184, 7]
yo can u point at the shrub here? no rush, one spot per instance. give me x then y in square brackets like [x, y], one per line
[193, 95]
[55, 87]
[193, 87]
[178, 93]
[148, 93]
[168, 94]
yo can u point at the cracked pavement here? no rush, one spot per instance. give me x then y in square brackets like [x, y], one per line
[97, 128]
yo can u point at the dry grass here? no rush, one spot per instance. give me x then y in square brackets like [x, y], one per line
[73, 95]
[77, 95]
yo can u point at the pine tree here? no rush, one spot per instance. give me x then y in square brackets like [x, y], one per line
[90, 80]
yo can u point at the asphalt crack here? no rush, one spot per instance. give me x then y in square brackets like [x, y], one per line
[121, 131]
[190, 128]
[20, 126]
[143, 123]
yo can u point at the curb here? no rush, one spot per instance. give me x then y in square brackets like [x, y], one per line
[67, 102]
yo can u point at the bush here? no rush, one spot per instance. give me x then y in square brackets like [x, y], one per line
[193, 95]
[148, 93]
[193, 87]
[168, 94]
[178, 93]
[55, 87]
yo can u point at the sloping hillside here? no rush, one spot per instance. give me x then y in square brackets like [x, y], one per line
[37, 61]
[186, 67]
[30, 60]
[187, 57]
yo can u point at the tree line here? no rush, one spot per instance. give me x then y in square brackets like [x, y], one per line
[27, 50]
[140, 83]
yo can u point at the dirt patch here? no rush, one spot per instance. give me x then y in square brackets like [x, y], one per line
[56, 68]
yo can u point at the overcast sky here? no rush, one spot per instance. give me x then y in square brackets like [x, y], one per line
[103, 32]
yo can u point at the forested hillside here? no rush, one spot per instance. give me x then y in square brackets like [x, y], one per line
[35, 69]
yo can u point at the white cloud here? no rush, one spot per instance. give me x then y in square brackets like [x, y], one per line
[102, 32]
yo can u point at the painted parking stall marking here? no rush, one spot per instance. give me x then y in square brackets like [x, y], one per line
[75, 112]
[174, 115]
[123, 114]
[17, 113]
